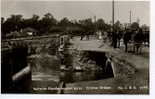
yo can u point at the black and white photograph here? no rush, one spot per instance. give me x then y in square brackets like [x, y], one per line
[75, 47]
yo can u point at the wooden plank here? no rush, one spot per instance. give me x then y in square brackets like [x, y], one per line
[25, 71]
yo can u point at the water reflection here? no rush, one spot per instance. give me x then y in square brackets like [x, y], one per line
[46, 72]
[68, 76]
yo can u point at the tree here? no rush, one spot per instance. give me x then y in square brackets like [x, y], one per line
[35, 22]
[65, 22]
[100, 24]
[2, 26]
[32, 22]
[66, 25]
[35, 17]
[2, 20]
[13, 23]
[87, 25]
[47, 22]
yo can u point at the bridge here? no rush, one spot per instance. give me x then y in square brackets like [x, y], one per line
[16, 72]
[122, 66]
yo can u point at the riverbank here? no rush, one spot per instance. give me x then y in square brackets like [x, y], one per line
[133, 75]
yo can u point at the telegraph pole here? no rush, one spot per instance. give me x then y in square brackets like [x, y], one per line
[94, 18]
[95, 24]
[114, 41]
[130, 17]
[113, 14]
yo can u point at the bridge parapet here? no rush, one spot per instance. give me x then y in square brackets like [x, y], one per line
[35, 44]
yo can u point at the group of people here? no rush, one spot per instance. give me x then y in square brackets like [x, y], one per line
[84, 35]
[135, 38]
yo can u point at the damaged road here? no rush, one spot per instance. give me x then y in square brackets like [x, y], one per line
[130, 76]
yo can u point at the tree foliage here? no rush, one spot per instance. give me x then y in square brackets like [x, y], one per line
[48, 24]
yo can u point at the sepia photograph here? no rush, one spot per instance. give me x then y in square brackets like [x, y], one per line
[75, 47]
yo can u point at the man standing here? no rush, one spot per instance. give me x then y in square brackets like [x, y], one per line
[82, 35]
[114, 38]
[138, 40]
[127, 37]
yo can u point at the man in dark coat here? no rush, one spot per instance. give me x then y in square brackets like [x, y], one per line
[82, 35]
[119, 38]
[127, 38]
[114, 40]
[138, 40]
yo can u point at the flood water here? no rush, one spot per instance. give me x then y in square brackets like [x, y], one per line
[52, 79]
[46, 73]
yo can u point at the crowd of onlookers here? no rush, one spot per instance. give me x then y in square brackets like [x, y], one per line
[137, 38]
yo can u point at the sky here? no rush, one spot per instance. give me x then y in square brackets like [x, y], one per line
[80, 9]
